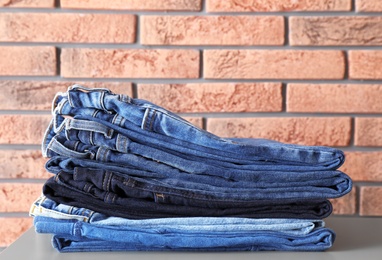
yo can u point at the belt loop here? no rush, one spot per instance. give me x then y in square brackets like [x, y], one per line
[90, 126]
[60, 149]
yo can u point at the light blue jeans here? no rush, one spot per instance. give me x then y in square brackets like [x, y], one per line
[103, 233]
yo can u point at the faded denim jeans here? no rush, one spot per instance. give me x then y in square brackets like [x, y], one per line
[73, 235]
[145, 123]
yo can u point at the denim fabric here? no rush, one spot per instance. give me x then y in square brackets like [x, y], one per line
[318, 241]
[261, 184]
[63, 189]
[104, 185]
[44, 207]
[122, 150]
[177, 147]
[175, 191]
[154, 126]
[169, 239]
[93, 133]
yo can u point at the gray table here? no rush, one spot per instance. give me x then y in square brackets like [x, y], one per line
[357, 238]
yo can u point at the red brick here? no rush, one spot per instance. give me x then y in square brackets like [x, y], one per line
[23, 129]
[274, 64]
[365, 64]
[133, 63]
[336, 98]
[370, 201]
[331, 131]
[368, 6]
[196, 121]
[21, 164]
[214, 97]
[27, 61]
[38, 95]
[368, 131]
[12, 228]
[67, 27]
[363, 166]
[335, 30]
[18, 197]
[212, 30]
[277, 6]
[27, 3]
[346, 205]
[147, 5]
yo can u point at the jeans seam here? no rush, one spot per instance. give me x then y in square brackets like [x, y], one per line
[91, 138]
[75, 147]
[110, 176]
[102, 101]
[104, 156]
[104, 181]
[95, 113]
[152, 119]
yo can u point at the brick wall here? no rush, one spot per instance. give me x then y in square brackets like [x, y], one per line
[305, 72]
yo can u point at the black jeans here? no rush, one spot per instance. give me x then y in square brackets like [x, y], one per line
[62, 188]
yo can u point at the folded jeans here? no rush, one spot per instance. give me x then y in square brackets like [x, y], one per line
[157, 127]
[88, 196]
[44, 207]
[317, 240]
[270, 184]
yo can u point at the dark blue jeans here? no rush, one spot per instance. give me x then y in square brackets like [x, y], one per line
[144, 122]
[124, 186]
[245, 185]
[62, 188]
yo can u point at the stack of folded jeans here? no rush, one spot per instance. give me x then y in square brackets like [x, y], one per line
[132, 173]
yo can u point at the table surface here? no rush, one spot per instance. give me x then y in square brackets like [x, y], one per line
[357, 238]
